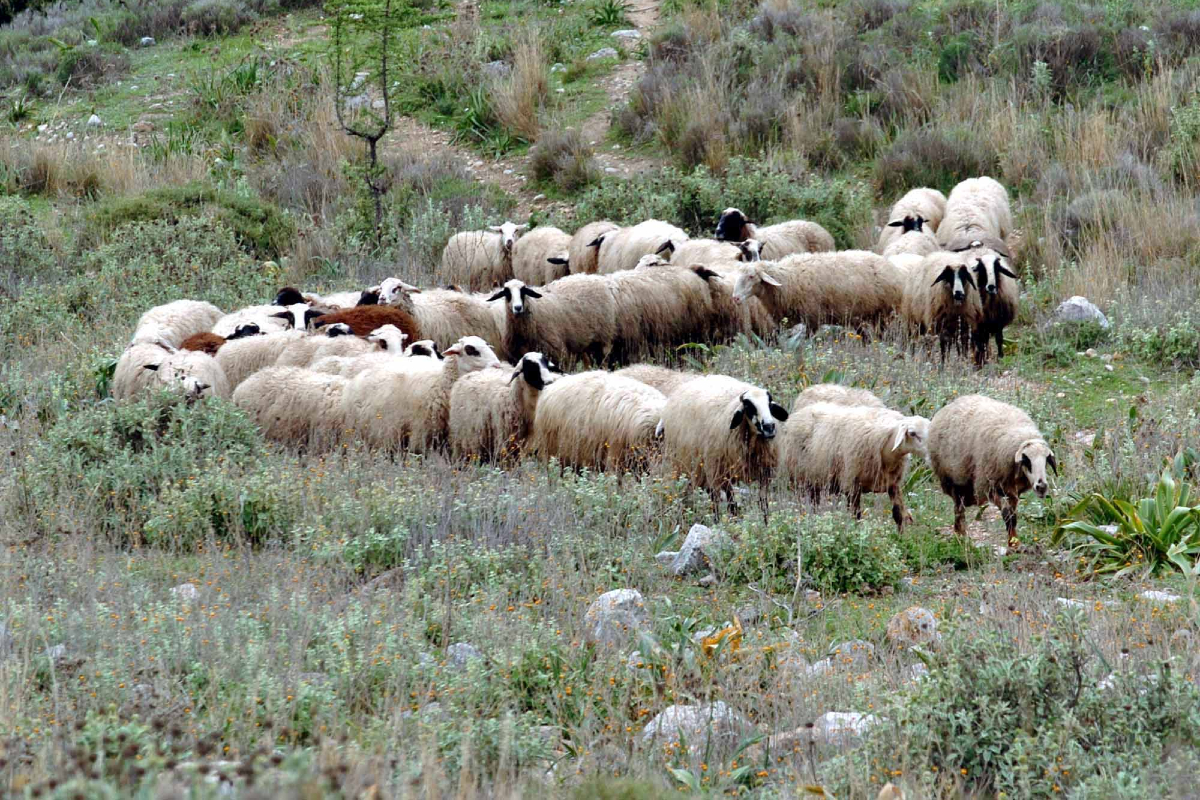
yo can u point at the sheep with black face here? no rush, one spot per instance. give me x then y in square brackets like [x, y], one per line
[783, 239]
[941, 297]
[492, 410]
[573, 318]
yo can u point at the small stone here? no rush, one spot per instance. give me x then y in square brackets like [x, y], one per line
[628, 33]
[699, 546]
[186, 591]
[616, 616]
[1165, 598]
[508, 172]
[147, 41]
[42, 128]
[143, 127]
[603, 52]
[708, 580]
[496, 70]
[558, 67]
[812, 596]
[610, 170]
[70, 134]
[843, 728]
[854, 654]
[1106, 358]
[914, 673]
[1080, 309]
[703, 727]
[1109, 367]
[616, 147]
[56, 652]
[94, 121]
[912, 627]
[461, 654]
[92, 42]
[377, 103]
[536, 198]
[1066, 602]
[1090, 352]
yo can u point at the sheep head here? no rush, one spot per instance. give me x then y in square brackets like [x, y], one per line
[752, 280]
[733, 226]
[909, 223]
[910, 435]
[750, 250]
[395, 292]
[1031, 459]
[990, 274]
[288, 296]
[755, 407]
[388, 338]
[423, 347]
[515, 293]
[508, 235]
[537, 370]
[298, 316]
[957, 281]
[472, 354]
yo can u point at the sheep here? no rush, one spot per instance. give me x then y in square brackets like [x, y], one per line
[906, 262]
[424, 347]
[851, 450]
[481, 259]
[659, 304]
[289, 295]
[364, 319]
[850, 287]
[338, 329]
[446, 315]
[572, 318]
[999, 298]
[292, 404]
[172, 323]
[929, 204]
[835, 394]
[143, 366]
[583, 253]
[700, 251]
[976, 208]
[389, 343]
[407, 403]
[242, 358]
[308, 350]
[914, 239]
[597, 420]
[210, 343]
[731, 317]
[662, 378]
[621, 249]
[262, 316]
[720, 430]
[778, 241]
[538, 256]
[492, 410]
[984, 450]
[940, 297]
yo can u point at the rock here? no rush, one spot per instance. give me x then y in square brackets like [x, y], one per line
[629, 34]
[700, 545]
[57, 652]
[360, 78]
[714, 726]
[358, 101]
[890, 791]
[1079, 309]
[1066, 602]
[1090, 352]
[94, 121]
[616, 616]
[912, 627]
[186, 591]
[43, 128]
[558, 67]
[461, 654]
[496, 70]
[708, 580]
[610, 170]
[377, 103]
[70, 134]
[1159, 597]
[855, 654]
[508, 172]
[914, 673]
[666, 558]
[143, 127]
[94, 43]
[537, 197]
[843, 728]
[603, 52]
[1181, 639]
[147, 41]
[822, 667]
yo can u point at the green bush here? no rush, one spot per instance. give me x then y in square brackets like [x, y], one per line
[1174, 342]
[841, 554]
[24, 249]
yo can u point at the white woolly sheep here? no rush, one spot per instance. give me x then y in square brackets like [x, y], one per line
[659, 304]
[731, 317]
[836, 394]
[597, 420]
[850, 287]
[307, 350]
[242, 358]
[293, 405]
[915, 238]
[622, 249]
[492, 410]
[940, 297]
[172, 323]
[977, 208]
[481, 259]
[145, 366]
[851, 450]
[389, 344]
[446, 315]
[719, 431]
[572, 318]
[407, 403]
[584, 250]
[906, 262]
[928, 204]
[423, 348]
[337, 301]
[538, 256]
[984, 450]
[700, 251]
[778, 241]
[262, 316]
[664, 379]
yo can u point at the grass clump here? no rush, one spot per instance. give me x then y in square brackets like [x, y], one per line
[563, 159]
[518, 99]
[932, 157]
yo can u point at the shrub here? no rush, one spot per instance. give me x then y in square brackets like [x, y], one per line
[23, 247]
[1174, 342]
[517, 100]
[82, 67]
[841, 554]
[562, 157]
[933, 157]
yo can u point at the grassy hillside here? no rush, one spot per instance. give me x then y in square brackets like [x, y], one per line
[311, 652]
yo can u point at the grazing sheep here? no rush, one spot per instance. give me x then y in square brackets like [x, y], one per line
[940, 297]
[145, 366]
[572, 318]
[999, 294]
[481, 259]
[929, 204]
[851, 287]
[584, 250]
[293, 405]
[700, 251]
[407, 403]
[446, 315]
[659, 304]
[664, 379]
[364, 319]
[389, 344]
[622, 249]
[778, 241]
[719, 431]
[851, 450]
[242, 358]
[836, 394]
[538, 256]
[983, 450]
[977, 208]
[492, 410]
[597, 420]
[172, 323]
[210, 343]
[914, 239]
[731, 317]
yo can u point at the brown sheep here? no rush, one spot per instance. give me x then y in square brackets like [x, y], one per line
[364, 319]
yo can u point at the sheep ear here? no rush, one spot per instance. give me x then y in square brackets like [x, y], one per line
[920, 222]
[1003, 270]
[666, 247]
[777, 411]
[947, 276]
[898, 439]
[967, 279]
[596, 242]
[527, 292]
[1052, 463]
[453, 350]
[494, 228]
[282, 315]
[513, 377]
[737, 419]
[152, 367]
[770, 280]
[704, 272]
[899, 223]
[658, 430]
[503, 293]
[560, 262]
[524, 226]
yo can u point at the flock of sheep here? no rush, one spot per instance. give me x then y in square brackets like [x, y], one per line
[369, 363]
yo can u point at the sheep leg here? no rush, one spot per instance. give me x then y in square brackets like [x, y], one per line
[999, 345]
[960, 512]
[899, 513]
[854, 503]
[1009, 512]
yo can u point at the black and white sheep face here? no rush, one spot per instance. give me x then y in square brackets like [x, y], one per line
[1032, 459]
[423, 347]
[339, 329]
[242, 331]
[298, 316]
[508, 235]
[751, 280]
[388, 338]
[472, 353]
[537, 370]
[909, 223]
[958, 282]
[989, 272]
[288, 296]
[910, 436]
[515, 293]
[757, 409]
[750, 251]
[733, 226]
[179, 379]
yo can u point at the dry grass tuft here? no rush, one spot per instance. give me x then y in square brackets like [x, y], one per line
[518, 99]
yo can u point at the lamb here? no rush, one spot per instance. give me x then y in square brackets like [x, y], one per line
[389, 343]
[622, 249]
[929, 204]
[835, 394]
[242, 358]
[914, 239]
[976, 208]
[292, 404]
[999, 298]
[446, 315]
[940, 297]
[481, 259]
[851, 450]
[407, 403]
[663, 379]
[573, 318]
[364, 319]
[144, 366]
[492, 410]
[700, 251]
[720, 430]
[538, 256]
[597, 420]
[210, 343]
[172, 323]
[850, 287]
[584, 250]
[659, 304]
[778, 241]
[984, 450]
